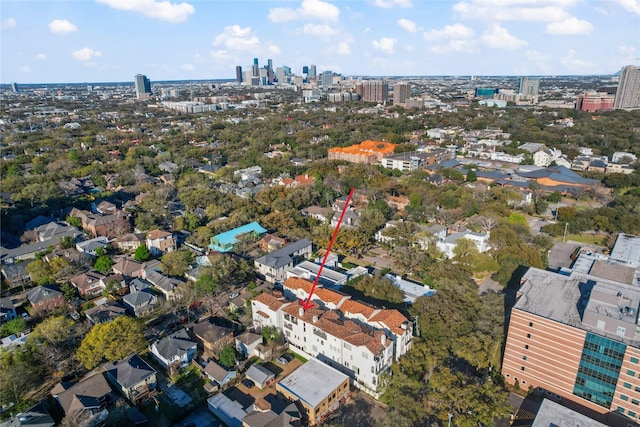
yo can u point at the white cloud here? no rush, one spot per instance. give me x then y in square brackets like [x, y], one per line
[222, 56]
[407, 25]
[320, 30]
[272, 49]
[514, 10]
[570, 61]
[386, 4]
[162, 10]
[236, 38]
[8, 24]
[309, 9]
[497, 37]
[631, 5]
[455, 31]
[62, 26]
[454, 46]
[569, 27]
[41, 56]
[342, 49]
[627, 50]
[85, 54]
[366, 30]
[188, 67]
[26, 69]
[385, 44]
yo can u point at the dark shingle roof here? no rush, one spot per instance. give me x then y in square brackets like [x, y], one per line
[129, 371]
[282, 257]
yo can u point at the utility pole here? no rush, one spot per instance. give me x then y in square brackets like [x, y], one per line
[564, 238]
[450, 416]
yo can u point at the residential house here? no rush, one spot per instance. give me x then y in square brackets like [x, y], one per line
[7, 310]
[105, 312]
[90, 247]
[321, 214]
[175, 350]
[166, 285]
[46, 298]
[224, 242]
[218, 374]
[89, 284]
[128, 267]
[112, 225]
[275, 265]
[161, 242]
[133, 377]
[309, 270]
[140, 302]
[15, 275]
[86, 400]
[103, 207]
[247, 344]
[53, 232]
[271, 242]
[449, 243]
[597, 166]
[411, 290]
[129, 242]
[260, 375]
[212, 338]
[317, 387]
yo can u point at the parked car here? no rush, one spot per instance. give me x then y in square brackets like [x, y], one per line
[247, 383]
[234, 295]
[282, 360]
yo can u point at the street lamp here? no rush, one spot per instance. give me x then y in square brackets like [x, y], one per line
[564, 237]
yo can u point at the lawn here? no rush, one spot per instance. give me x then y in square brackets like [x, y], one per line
[588, 238]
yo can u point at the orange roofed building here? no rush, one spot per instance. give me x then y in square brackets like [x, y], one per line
[356, 338]
[368, 152]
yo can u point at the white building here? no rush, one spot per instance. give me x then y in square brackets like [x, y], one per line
[449, 243]
[360, 340]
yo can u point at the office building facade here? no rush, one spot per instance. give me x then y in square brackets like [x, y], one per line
[628, 93]
[576, 337]
[401, 92]
[142, 86]
[373, 91]
[238, 74]
[529, 86]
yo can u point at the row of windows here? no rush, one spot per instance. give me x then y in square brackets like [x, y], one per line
[620, 409]
[626, 399]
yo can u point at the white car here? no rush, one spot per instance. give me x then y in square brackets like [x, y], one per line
[234, 295]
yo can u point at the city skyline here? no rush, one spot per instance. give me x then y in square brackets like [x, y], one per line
[113, 40]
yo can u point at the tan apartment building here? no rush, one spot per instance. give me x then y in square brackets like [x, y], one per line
[368, 152]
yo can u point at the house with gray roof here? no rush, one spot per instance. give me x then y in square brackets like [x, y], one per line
[7, 310]
[274, 266]
[260, 375]
[166, 285]
[36, 416]
[103, 313]
[16, 275]
[247, 343]
[91, 246]
[177, 348]
[88, 398]
[140, 302]
[449, 243]
[133, 377]
[45, 298]
[218, 374]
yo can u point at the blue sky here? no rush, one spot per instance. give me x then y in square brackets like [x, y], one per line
[112, 40]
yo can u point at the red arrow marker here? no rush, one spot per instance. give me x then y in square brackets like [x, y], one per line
[306, 305]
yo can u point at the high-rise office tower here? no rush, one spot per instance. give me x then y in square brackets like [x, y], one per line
[312, 72]
[255, 68]
[373, 91]
[401, 92]
[238, 74]
[327, 78]
[14, 87]
[528, 86]
[628, 93]
[270, 74]
[305, 70]
[143, 86]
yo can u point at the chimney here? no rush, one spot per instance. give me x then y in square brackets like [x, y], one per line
[315, 319]
[301, 311]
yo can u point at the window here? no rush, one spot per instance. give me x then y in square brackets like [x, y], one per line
[522, 368]
[524, 357]
[528, 335]
[620, 409]
[634, 360]
[632, 414]
[635, 402]
[624, 397]
[526, 346]
[508, 375]
[637, 389]
[626, 385]
[531, 324]
[630, 372]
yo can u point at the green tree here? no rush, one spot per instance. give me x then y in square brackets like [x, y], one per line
[103, 264]
[66, 242]
[176, 263]
[74, 221]
[142, 253]
[53, 330]
[228, 356]
[40, 272]
[270, 333]
[472, 176]
[13, 327]
[111, 341]
[68, 290]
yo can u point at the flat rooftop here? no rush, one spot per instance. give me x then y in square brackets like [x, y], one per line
[583, 301]
[552, 414]
[313, 382]
[627, 250]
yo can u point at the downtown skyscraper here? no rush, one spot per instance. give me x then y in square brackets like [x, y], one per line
[628, 93]
[142, 86]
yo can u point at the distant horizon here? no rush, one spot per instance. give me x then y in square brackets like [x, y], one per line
[112, 40]
[229, 80]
